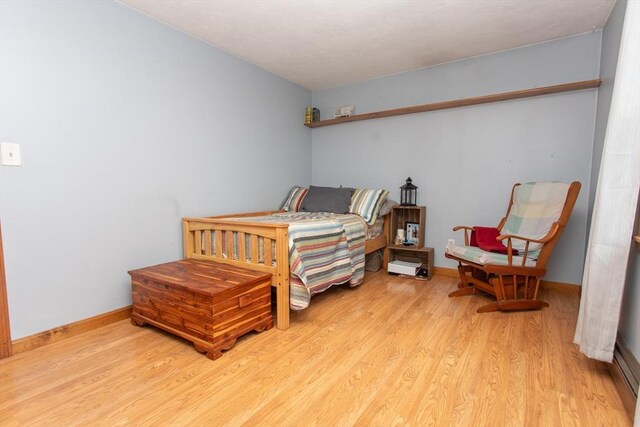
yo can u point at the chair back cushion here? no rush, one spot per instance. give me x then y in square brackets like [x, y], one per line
[536, 206]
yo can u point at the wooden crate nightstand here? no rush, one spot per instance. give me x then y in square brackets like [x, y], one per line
[400, 216]
[207, 303]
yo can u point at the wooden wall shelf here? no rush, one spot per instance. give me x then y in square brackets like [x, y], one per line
[464, 102]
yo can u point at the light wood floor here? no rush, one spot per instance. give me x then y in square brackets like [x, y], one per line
[391, 352]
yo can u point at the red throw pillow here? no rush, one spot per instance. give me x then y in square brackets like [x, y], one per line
[485, 239]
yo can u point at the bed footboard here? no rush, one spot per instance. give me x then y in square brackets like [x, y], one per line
[245, 244]
[253, 245]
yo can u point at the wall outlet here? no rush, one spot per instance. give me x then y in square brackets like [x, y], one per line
[10, 154]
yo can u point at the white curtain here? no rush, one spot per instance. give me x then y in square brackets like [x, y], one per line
[615, 203]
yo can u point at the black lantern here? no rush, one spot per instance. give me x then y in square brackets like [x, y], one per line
[408, 194]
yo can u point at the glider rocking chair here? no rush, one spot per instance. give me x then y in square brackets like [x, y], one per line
[535, 219]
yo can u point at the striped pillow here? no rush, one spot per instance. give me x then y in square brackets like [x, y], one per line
[294, 198]
[367, 203]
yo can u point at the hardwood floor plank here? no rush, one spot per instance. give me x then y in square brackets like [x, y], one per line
[393, 351]
[364, 380]
[296, 350]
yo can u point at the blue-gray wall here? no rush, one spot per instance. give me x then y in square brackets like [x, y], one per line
[630, 315]
[125, 126]
[466, 160]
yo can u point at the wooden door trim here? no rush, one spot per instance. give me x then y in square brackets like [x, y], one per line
[5, 330]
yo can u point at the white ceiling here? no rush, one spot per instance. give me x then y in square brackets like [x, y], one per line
[324, 43]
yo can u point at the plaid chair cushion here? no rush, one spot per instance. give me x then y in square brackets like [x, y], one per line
[536, 206]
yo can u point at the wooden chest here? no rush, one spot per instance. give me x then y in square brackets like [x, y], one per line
[210, 304]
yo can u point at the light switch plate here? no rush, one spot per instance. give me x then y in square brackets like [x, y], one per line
[10, 154]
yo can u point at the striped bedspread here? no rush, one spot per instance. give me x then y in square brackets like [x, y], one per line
[325, 249]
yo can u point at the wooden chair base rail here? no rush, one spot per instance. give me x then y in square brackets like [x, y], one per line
[502, 305]
[513, 305]
[544, 284]
[463, 291]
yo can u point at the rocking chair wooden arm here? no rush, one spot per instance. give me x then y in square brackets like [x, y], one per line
[462, 227]
[509, 237]
[550, 235]
[466, 229]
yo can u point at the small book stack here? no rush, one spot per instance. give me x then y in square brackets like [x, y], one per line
[311, 115]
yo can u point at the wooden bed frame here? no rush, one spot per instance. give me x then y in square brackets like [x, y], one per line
[214, 227]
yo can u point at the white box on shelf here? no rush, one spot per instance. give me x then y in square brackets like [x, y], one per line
[343, 111]
[404, 267]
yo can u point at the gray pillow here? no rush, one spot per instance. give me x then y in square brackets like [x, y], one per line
[327, 199]
[386, 207]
